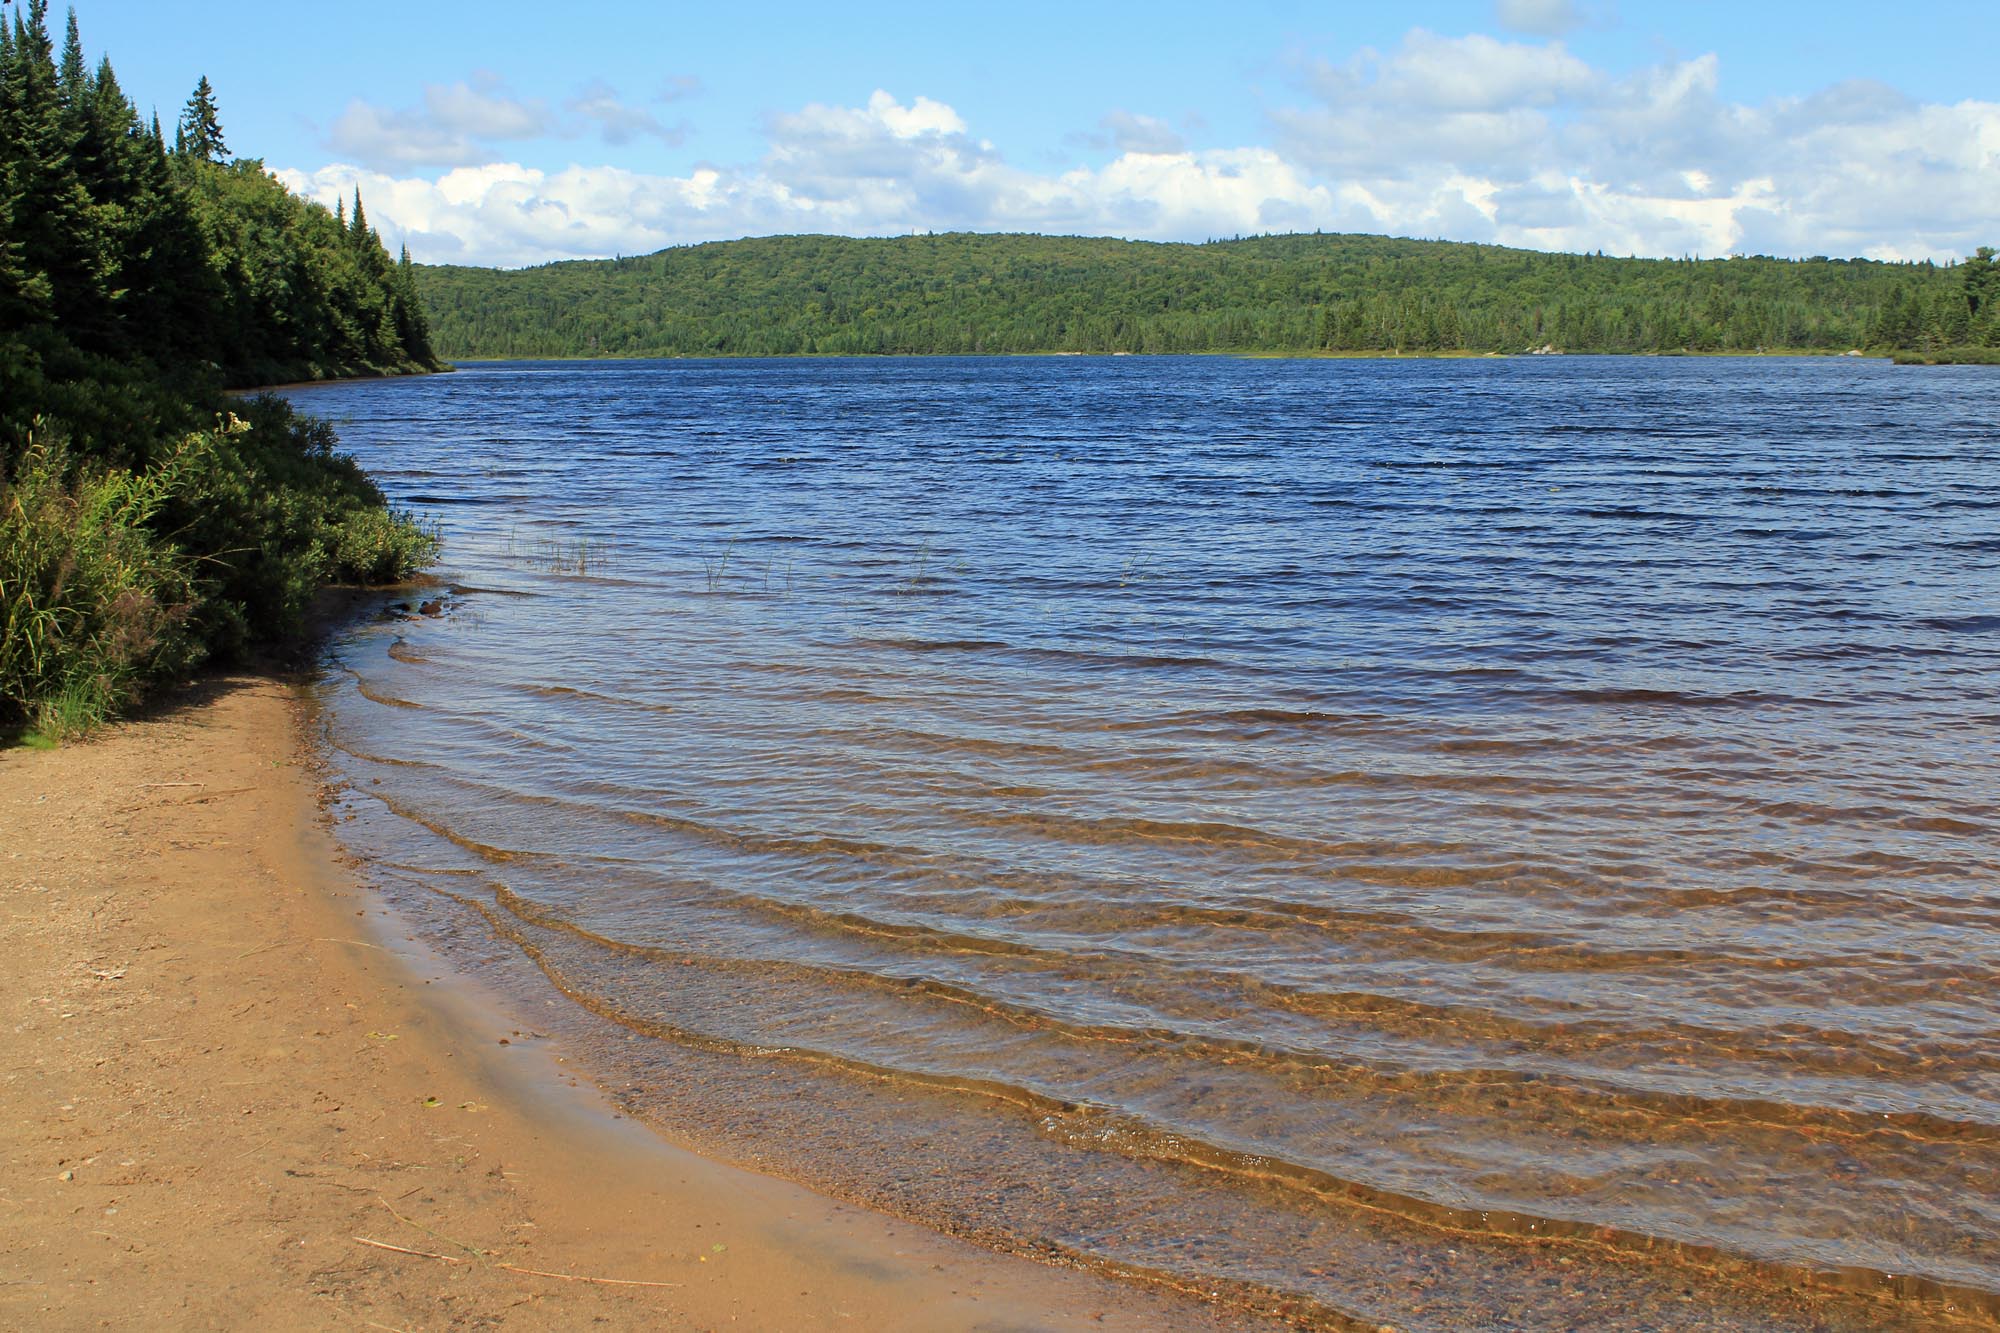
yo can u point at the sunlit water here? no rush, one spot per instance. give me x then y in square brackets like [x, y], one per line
[1296, 827]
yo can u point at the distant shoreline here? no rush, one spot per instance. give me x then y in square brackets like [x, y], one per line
[1289, 295]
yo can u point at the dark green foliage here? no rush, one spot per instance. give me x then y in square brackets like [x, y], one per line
[301, 296]
[967, 293]
[147, 520]
[1982, 284]
[1956, 321]
[279, 512]
[200, 131]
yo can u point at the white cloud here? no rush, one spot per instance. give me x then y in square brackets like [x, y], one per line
[882, 169]
[1478, 73]
[1472, 138]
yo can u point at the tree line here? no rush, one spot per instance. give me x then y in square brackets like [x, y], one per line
[148, 521]
[977, 293]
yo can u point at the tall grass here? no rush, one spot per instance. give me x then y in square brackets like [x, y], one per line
[92, 603]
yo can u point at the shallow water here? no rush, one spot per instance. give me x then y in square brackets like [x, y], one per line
[1295, 827]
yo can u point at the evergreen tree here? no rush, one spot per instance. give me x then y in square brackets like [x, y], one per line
[1982, 285]
[200, 131]
[53, 219]
[73, 76]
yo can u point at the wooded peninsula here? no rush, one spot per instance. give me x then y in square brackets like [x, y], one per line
[967, 293]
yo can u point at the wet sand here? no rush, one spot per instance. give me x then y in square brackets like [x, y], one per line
[232, 1096]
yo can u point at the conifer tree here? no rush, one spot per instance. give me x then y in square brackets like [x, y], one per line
[1982, 284]
[53, 220]
[200, 131]
[74, 75]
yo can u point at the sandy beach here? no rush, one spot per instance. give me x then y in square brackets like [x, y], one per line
[231, 1097]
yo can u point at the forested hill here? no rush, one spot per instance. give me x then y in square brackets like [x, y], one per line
[966, 293]
[149, 522]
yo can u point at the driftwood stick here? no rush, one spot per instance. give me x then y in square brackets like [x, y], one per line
[578, 1277]
[511, 1268]
[402, 1249]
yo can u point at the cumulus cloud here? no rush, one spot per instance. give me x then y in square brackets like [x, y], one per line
[1473, 138]
[1522, 143]
[882, 169]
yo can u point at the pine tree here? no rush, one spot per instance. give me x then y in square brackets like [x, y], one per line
[413, 329]
[74, 77]
[53, 220]
[200, 131]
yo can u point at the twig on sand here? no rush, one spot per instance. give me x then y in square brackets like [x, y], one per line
[260, 1147]
[489, 1259]
[472, 1250]
[403, 1249]
[275, 944]
[317, 939]
[578, 1277]
[173, 784]
[510, 1268]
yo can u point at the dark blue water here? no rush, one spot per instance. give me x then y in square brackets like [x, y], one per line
[1296, 827]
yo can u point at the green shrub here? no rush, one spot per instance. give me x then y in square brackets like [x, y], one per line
[275, 512]
[111, 579]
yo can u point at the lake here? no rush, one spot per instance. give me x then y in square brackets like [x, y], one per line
[1452, 844]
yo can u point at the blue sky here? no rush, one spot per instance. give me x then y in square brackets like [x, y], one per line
[512, 133]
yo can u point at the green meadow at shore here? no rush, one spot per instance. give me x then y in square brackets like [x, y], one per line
[148, 521]
[973, 293]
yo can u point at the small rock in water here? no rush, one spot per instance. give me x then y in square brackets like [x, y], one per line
[434, 607]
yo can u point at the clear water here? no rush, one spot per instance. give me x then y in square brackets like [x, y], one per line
[1455, 844]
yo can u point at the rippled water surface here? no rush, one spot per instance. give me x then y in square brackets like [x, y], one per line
[1455, 844]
